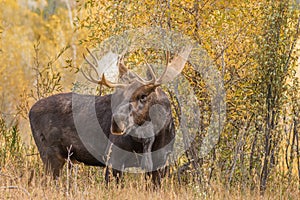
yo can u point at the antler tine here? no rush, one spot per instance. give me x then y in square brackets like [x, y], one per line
[166, 68]
[89, 76]
[107, 83]
[151, 70]
[91, 64]
[103, 80]
[122, 68]
[93, 56]
[138, 78]
[143, 81]
[175, 67]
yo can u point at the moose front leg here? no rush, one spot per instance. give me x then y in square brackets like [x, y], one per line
[145, 136]
[146, 162]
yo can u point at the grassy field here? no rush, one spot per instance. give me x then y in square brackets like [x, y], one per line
[26, 180]
[22, 177]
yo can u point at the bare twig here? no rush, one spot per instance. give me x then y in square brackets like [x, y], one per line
[70, 165]
[240, 143]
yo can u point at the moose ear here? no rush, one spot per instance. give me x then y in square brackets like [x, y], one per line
[122, 68]
[124, 74]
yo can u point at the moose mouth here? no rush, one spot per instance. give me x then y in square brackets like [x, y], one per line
[120, 125]
[117, 132]
[118, 128]
[125, 131]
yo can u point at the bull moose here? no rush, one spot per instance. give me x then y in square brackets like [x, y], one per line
[133, 127]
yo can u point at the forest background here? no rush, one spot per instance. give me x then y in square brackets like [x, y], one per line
[254, 44]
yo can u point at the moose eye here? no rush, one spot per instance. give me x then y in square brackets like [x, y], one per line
[143, 98]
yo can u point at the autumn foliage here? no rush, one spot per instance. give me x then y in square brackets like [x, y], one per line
[253, 44]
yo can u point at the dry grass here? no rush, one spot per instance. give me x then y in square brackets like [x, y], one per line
[22, 177]
[27, 181]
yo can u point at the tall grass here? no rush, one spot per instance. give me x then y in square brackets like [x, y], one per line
[22, 177]
[10, 146]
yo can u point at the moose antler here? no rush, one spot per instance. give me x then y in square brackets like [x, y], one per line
[123, 70]
[172, 70]
[143, 81]
[102, 80]
[175, 67]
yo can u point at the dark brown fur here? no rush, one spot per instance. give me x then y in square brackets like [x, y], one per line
[54, 131]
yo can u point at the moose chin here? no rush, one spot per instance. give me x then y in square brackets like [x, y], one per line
[137, 128]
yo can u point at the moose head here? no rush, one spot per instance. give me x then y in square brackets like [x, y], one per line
[138, 101]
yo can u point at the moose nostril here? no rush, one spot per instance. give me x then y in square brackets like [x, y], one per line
[117, 126]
